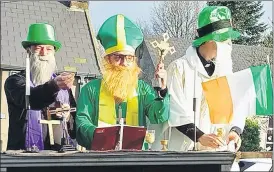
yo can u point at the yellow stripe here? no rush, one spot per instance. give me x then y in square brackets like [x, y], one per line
[121, 37]
[132, 111]
[107, 112]
[218, 97]
[121, 33]
[120, 48]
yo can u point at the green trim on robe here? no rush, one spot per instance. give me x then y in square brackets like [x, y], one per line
[157, 110]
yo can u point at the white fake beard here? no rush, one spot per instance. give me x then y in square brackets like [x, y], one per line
[42, 68]
[223, 61]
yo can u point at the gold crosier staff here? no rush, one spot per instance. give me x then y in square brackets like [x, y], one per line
[163, 49]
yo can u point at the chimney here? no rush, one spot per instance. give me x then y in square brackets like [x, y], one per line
[81, 5]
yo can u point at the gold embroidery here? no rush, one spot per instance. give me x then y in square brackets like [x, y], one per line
[203, 106]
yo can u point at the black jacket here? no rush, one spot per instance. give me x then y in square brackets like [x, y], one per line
[40, 97]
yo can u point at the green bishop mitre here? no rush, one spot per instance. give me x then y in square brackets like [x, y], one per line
[120, 34]
[214, 23]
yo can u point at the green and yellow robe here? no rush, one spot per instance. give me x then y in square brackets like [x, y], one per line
[95, 107]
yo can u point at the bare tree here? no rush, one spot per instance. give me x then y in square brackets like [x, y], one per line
[145, 27]
[178, 18]
[268, 40]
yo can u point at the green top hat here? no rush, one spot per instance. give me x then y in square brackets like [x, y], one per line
[214, 23]
[41, 33]
[118, 33]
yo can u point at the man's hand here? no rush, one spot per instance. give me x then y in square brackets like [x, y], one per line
[236, 138]
[211, 140]
[161, 73]
[65, 80]
[65, 112]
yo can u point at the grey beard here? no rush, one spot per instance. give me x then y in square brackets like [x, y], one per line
[42, 70]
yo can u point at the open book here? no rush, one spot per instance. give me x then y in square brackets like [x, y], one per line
[107, 138]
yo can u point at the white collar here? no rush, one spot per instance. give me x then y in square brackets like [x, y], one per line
[195, 62]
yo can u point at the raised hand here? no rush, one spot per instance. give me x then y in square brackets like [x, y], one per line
[65, 80]
[211, 140]
[161, 73]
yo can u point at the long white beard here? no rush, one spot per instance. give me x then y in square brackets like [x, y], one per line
[223, 62]
[42, 68]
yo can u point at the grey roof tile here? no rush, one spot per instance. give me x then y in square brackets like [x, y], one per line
[9, 5]
[71, 44]
[52, 5]
[46, 9]
[27, 3]
[18, 11]
[73, 39]
[11, 14]
[33, 8]
[22, 6]
[71, 30]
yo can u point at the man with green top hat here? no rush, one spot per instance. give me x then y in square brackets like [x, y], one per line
[100, 99]
[208, 57]
[46, 91]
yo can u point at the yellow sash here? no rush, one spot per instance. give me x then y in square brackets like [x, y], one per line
[107, 111]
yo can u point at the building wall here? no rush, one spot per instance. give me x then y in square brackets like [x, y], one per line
[4, 112]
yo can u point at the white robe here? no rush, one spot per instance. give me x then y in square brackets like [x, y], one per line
[180, 84]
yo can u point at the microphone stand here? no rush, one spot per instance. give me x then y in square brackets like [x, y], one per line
[66, 144]
[194, 108]
[121, 123]
[27, 82]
